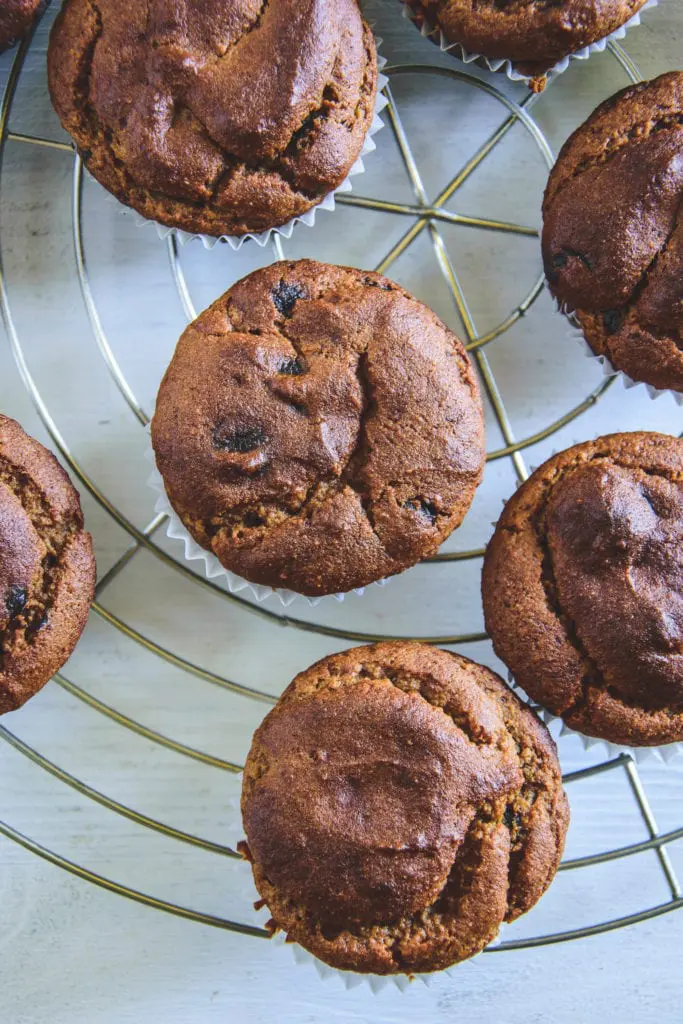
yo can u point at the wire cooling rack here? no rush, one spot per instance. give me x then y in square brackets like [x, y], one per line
[426, 217]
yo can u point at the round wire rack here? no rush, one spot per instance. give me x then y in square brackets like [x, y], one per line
[424, 216]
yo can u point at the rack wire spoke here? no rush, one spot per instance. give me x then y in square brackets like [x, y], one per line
[434, 213]
[181, 663]
[143, 730]
[112, 805]
[123, 890]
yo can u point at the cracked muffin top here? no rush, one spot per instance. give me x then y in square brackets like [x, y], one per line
[16, 17]
[583, 587]
[613, 230]
[215, 116]
[533, 34]
[399, 804]
[47, 568]
[319, 429]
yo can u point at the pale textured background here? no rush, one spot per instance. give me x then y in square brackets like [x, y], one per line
[72, 954]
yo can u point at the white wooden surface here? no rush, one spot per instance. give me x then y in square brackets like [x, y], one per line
[73, 954]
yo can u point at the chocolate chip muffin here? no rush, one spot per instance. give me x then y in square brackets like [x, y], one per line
[319, 429]
[399, 804]
[533, 34]
[221, 117]
[47, 568]
[613, 230]
[16, 17]
[583, 587]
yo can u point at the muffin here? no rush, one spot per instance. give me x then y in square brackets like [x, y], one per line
[47, 568]
[222, 118]
[533, 36]
[613, 231]
[319, 429]
[583, 587]
[16, 17]
[399, 804]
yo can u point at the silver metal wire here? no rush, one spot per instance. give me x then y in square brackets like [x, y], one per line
[426, 215]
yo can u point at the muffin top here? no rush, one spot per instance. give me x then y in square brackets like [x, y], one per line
[16, 17]
[583, 587]
[534, 33]
[613, 230]
[399, 803]
[216, 117]
[319, 429]
[47, 568]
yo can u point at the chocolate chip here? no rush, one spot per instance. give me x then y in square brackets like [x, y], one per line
[424, 508]
[369, 282]
[560, 259]
[512, 819]
[252, 519]
[285, 297]
[292, 367]
[241, 440]
[16, 600]
[612, 319]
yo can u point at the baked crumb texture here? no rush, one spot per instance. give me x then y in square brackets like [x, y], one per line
[319, 429]
[583, 588]
[215, 118]
[47, 568]
[613, 230]
[400, 803]
[16, 17]
[533, 34]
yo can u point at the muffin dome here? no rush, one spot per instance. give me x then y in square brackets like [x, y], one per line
[16, 17]
[533, 35]
[217, 117]
[583, 587]
[399, 803]
[613, 230]
[47, 569]
[319, 429]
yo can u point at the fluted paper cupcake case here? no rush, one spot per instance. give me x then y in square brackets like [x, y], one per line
[412, 10]
[328, 203]
[212, 567]
[300, 956]
[577, 335]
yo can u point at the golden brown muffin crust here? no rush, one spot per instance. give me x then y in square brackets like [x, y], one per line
[583, 587]
[399, 803]
[319, 429]
[220, 118]
[613, 230]
[47, 568]
[533, 34]
[16, 17]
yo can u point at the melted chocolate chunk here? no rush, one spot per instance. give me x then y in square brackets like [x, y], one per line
[424, 508]
[292, 368]
[285, 297]
[612, 320]
[16, 601]
[241, 440]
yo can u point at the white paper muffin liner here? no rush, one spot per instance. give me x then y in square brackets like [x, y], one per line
[433, 32]
[296, 954]
[328, 203]
[577, 336]
[212, 567]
